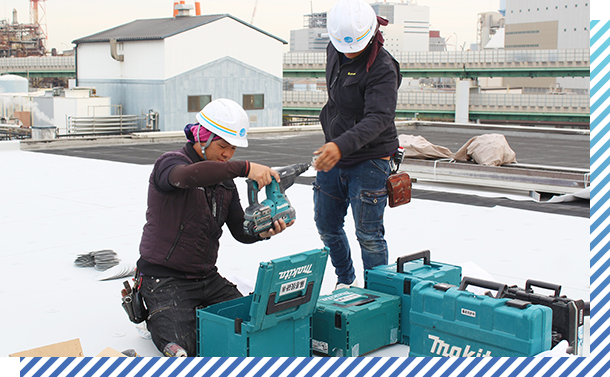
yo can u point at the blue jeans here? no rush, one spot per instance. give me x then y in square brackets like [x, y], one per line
[362, 186]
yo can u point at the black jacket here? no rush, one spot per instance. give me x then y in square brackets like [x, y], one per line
[183, 227]
[359, 115]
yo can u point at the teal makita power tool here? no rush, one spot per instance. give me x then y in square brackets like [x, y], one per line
[259, 217]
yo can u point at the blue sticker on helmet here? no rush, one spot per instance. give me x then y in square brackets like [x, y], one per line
[242, 132]
[348, 39]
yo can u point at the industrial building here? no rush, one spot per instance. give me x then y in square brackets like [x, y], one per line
[21, 40]
[175, 66]
[552, 25]
[313, 37]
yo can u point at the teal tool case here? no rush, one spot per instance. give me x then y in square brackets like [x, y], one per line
[353, 321]
[452, 322]
[399, 279]
[275, 320]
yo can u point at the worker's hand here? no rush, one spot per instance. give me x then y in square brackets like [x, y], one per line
[262, 174]
[280, 226]
[328, 156]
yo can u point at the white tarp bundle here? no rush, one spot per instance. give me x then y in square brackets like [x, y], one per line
[419, 147]
[488, 149]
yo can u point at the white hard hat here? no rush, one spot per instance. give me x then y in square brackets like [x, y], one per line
[351, 25]
[226, 119]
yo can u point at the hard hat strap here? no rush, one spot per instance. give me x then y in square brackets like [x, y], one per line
[207, 144]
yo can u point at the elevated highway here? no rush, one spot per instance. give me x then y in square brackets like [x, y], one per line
[39, 66]
[463, 64]
[459, 64]
[434, 105]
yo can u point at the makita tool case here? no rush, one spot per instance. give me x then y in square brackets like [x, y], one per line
[568, 314]
[399, 278]
[353, 321]
[450, 321]
[275, 320]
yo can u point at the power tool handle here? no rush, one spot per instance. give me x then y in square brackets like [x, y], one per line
[400, 261]
[542, 284]
[252, 191]
[499, 287]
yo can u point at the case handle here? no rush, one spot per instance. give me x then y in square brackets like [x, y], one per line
[411, 257]
[272, 307]
[369, 298]
[542, 284]
[501, 288]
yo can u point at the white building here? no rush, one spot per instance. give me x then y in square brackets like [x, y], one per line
[177, 65]
[409, 26]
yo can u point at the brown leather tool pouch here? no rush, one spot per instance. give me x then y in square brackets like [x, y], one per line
[399, 189]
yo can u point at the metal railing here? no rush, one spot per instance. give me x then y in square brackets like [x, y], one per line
[111, 124]
[569, 56]
[514, 102]
[38, 63]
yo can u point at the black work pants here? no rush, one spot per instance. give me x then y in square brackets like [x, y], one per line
[171, 304]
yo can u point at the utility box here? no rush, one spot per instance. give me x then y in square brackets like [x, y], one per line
[354, 321]
[399, 278]
[275, 320]
[452, 322]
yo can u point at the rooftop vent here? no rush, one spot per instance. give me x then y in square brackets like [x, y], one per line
[182, 10]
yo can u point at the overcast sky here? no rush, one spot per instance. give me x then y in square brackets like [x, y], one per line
[68, 20]
[71, 19]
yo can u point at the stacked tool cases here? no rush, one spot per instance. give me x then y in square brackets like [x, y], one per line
[568, 314]
[353, 321]
[275, 320]
[447, 321]
[400, 278]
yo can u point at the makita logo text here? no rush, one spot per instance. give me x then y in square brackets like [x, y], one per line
[285, 275]
[447, 350]
[470, 313]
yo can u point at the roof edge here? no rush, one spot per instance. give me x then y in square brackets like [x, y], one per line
[219, 15]
[255, 28]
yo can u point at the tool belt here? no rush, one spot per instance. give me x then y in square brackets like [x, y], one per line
[398, 184]
[133, 303]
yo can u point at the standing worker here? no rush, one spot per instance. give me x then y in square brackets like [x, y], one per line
[191, 195]
[353, 166]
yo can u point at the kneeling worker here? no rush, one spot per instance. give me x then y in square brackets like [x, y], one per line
[191, 195]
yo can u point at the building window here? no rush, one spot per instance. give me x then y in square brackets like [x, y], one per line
[196, 103]
[254, 101]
